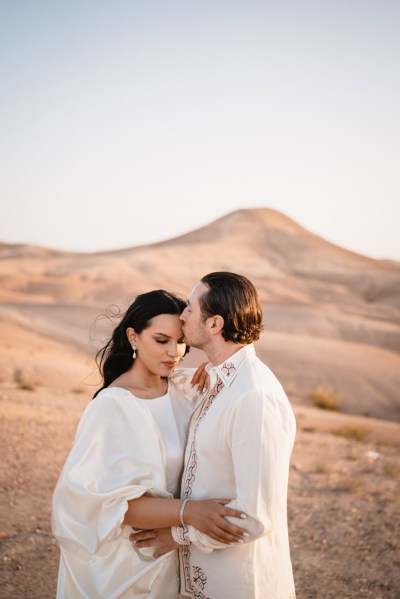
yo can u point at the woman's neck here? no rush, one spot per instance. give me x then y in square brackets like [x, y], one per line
[142, 383]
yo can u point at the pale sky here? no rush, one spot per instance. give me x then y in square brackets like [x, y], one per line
[129, 122]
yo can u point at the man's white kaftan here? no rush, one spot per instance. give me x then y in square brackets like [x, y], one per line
[239, 444]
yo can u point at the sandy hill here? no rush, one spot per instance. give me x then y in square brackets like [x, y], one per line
[332, 316]
[332, 320]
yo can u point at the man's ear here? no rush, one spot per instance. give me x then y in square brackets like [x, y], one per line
[217, 324]
[130, 333]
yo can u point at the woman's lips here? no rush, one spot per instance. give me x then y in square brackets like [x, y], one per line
[170, 364]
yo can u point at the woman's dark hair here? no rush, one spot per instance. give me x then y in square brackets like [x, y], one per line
[116, 357]
[235, 298]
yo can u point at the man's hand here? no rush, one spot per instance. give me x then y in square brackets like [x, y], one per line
[201, 378]
[160, 538]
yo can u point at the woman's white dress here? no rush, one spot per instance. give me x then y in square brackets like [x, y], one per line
[124, 447]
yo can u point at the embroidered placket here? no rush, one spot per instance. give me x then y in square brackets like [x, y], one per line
[187, 484]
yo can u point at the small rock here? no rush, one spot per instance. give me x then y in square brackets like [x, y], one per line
[372, 456]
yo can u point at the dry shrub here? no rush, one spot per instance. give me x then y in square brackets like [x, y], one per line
[25, 386]
[324, 398]
[356, 433]
[24, 380]
[323, 467]
[391, 469]
[349, 485]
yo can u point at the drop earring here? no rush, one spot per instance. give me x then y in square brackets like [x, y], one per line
[134, 351]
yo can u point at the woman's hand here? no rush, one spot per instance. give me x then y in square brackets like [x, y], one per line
[209, 516]
[201, 377]
[160, 538]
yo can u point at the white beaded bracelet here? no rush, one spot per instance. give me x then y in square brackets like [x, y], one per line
[184, 502]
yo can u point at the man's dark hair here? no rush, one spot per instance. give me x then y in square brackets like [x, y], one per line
[235, 298]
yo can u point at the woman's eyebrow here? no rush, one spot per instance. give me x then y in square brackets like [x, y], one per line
[163, 335]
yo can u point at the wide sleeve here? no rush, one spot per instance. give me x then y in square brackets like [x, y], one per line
[117, 456]
[261, 431]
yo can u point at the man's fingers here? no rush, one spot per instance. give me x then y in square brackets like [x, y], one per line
[200, 377]
[197, 375]
[203, 380]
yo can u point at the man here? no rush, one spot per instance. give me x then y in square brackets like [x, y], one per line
[239, 442]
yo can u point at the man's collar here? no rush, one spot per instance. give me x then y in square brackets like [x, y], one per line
[228, 370]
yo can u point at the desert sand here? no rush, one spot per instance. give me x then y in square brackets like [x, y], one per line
[332, 322]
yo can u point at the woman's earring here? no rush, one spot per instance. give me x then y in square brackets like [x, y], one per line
[134, 351]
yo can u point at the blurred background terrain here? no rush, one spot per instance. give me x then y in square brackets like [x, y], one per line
[332, 336]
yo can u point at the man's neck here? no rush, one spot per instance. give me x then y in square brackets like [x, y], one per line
[221, 353]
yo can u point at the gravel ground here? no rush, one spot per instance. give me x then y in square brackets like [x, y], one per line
[344, 512]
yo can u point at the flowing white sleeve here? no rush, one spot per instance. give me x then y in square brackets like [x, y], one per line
[261, 434]
[117, 455]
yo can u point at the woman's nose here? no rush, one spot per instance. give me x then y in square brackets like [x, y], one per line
[173, 350]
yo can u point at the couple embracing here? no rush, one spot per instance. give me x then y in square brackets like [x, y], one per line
[175, 487]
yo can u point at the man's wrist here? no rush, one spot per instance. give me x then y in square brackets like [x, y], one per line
[180, 534]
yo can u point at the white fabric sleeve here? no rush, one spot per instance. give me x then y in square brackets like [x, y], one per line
[182, 378]
[117, 456]
[261, 431]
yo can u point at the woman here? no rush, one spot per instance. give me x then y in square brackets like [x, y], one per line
[125, 465]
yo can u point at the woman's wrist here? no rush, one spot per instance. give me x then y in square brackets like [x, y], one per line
[182, 513]
[187, 506]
